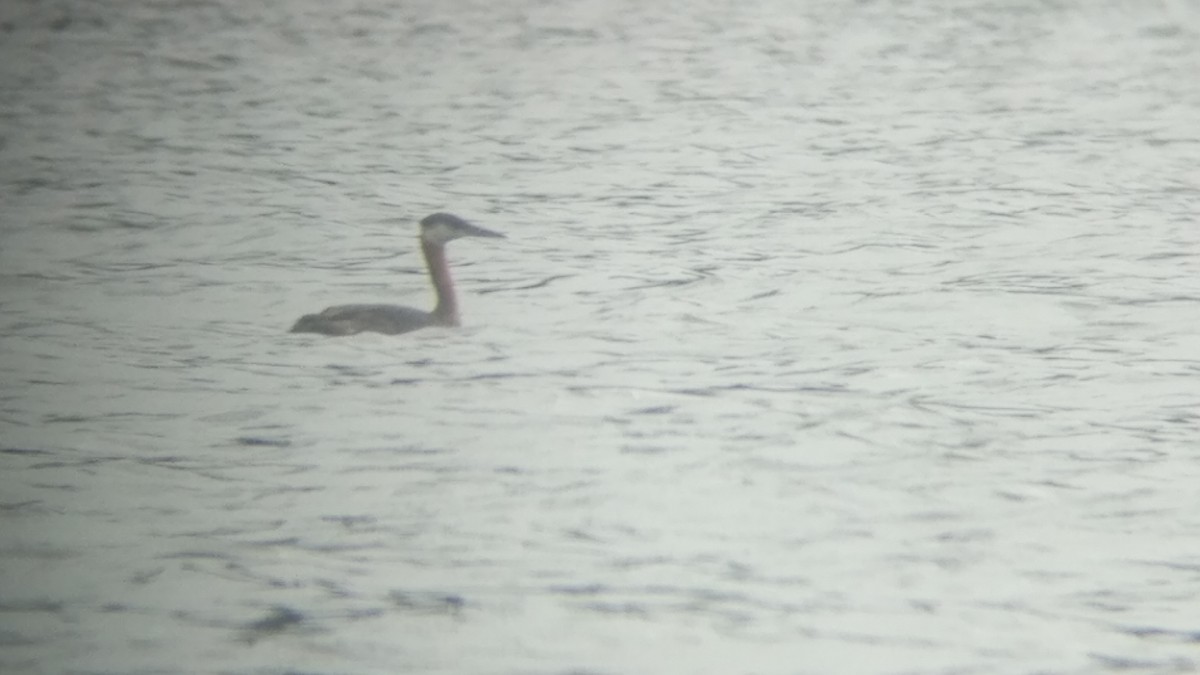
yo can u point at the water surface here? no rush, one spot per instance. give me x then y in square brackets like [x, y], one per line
[843, 337]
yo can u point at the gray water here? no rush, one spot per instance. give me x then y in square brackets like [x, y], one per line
[829, 337]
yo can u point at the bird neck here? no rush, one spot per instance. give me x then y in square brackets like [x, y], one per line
[446, 312]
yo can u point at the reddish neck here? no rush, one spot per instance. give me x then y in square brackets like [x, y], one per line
[446, 312]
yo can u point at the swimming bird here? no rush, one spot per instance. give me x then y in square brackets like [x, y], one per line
[436, 231]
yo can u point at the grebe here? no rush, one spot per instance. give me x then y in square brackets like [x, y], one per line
[436, 231]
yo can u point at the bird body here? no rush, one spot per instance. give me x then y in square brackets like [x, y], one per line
[436, 231]
[351, 319]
